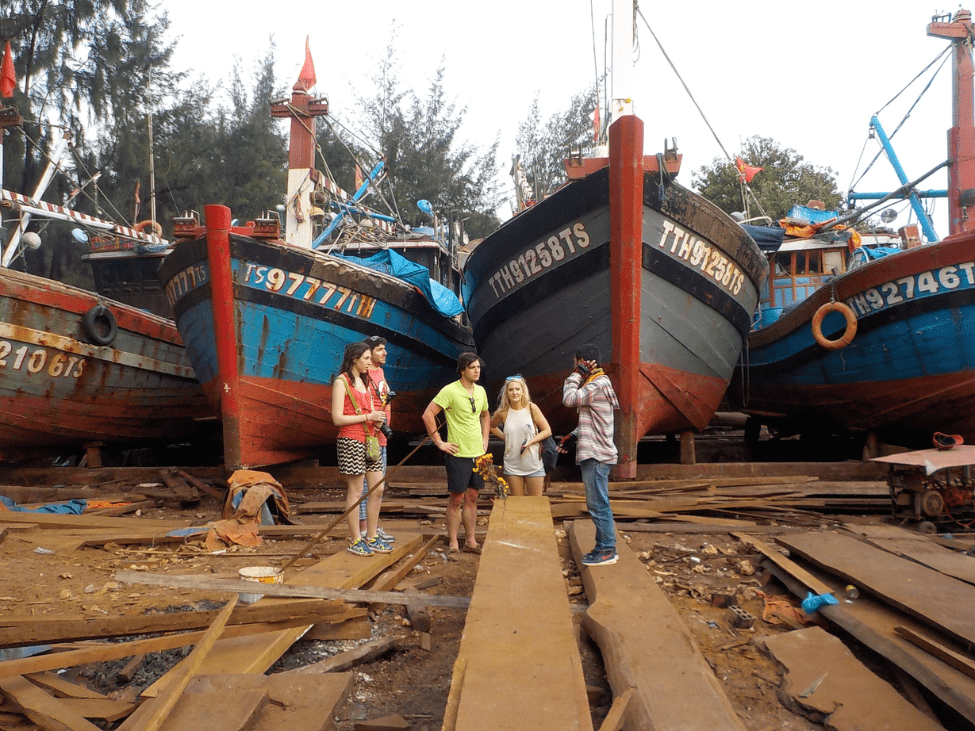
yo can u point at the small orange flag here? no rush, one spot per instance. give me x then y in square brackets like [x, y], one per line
[8, 77]
[747, 171]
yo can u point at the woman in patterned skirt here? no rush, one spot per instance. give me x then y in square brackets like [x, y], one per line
[353, 413]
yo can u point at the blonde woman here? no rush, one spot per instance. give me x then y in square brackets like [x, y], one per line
[525, 428]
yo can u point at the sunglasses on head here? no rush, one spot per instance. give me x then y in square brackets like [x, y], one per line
[517, 377]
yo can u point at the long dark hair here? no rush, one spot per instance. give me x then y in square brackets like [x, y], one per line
[353, 351]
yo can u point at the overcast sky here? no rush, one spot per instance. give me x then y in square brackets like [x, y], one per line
[809, 76]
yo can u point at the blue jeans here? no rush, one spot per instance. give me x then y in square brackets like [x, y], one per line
[595, 476]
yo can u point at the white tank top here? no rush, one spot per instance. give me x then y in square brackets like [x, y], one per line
[519, 427]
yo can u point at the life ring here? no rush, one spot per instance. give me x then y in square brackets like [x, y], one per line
[155, 225]
[848, 334]
[100, 325]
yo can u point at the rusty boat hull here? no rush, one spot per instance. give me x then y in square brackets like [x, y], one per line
[266, 324]
[62, 386]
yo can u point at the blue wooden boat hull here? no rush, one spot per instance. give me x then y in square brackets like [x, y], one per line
[292, 312]
[910, 369]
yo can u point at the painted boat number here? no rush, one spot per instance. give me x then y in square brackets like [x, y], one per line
[901, 290]
[309, 289]
[36, 361]
[188, 279]
[708, 258]
[539, 257]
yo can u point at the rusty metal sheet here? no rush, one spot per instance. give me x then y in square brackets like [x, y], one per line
[933, 459]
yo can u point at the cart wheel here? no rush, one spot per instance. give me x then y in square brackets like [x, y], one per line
[927, 528]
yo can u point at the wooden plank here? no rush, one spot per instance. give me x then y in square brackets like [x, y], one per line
[43, 709]
[340, 571]
[938, 600]
[631, 619]
[508, 636]
[63, 688]
[105, 651]
[933, 647]
[617, 713]
[43, 631]
[292, 590]
[824, 676]
[104, 709]
[152, 714]
[297, 702]
[350, 658]
[217, 711]
[919, 548]
[789, 566]
[874, 623]
[388, 580]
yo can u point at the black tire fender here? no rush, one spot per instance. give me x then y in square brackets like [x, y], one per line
[99, 325]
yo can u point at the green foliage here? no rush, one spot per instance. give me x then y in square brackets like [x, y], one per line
[425, 160]
[544, 146]
[786, 179]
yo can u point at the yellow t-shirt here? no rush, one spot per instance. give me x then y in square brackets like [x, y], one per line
[463, 418]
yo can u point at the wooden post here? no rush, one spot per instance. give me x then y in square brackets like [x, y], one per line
[687, 453]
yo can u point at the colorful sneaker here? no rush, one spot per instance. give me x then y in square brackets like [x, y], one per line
[359, 548]
[600, 557]
[380, 533]
[378, 545]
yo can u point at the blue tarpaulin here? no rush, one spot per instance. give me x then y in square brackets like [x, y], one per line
[389, 262]
[768, 238]
[71, 507]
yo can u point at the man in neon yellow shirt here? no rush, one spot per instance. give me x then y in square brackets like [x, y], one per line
[465, 406]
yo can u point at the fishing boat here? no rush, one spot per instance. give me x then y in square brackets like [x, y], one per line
[266, 317]
[850, 340]
[660, 280]
[81, 370]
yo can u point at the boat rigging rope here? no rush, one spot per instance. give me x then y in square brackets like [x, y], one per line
[927, 86]
[717, 139]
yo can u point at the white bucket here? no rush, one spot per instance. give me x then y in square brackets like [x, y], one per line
[261, 575]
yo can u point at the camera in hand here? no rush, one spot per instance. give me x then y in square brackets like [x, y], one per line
[387, 432]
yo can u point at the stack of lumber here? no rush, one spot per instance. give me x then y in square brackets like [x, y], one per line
[220, 685]
[912, 607]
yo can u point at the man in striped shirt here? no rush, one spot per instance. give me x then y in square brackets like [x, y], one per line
[589, 389]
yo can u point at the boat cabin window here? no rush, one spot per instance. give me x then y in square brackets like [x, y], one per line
[797, 274]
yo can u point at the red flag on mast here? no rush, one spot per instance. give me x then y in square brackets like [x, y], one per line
[8, 77]
[307, 76]
[747, 171]
[595, 125]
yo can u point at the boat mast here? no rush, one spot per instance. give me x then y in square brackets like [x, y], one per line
[625, 239]
[622, 104]
[302, 175]
[961, 137]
